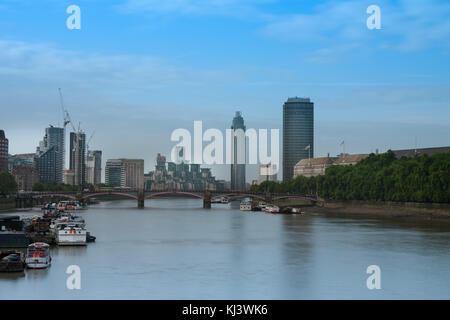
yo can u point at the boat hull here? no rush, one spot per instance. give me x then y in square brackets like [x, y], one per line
[71, 239]
[32, 263]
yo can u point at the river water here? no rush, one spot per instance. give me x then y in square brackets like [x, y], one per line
[174, 249]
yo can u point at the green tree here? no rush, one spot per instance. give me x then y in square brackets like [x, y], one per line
[8, 185]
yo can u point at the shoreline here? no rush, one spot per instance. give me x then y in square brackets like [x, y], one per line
[384, 209]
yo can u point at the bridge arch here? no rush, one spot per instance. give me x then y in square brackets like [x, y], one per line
[295, 197]
[240, 194]
[61, 195]
[192, 194]
[110, 193]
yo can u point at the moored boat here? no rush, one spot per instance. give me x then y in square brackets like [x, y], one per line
[245, 206]
[272, 209]
[11, 261]
[71, 234]
[38, 256]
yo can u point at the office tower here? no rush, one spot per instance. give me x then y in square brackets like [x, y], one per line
[94, 167]
[3, 151]
[134, 173]
[125, 173]
[238, 156]
[53, 141]
[115, 173]
[46, 164]
[298, 133]
[77, 161]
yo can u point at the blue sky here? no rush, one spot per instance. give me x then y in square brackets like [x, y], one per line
[138, 69]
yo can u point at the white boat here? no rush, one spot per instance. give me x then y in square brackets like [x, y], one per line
[245, 206]
[38, 256]
[71, 233]
[262, 205]
[272, 209]
[224, 200]
[69, 205]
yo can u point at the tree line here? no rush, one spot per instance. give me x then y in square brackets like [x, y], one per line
[378, 177]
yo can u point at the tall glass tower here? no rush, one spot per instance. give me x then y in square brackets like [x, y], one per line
[54, 138]
[238, 153]
[298, 133]
[77, 161]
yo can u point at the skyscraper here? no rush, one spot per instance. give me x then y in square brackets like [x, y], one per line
[94, 167]
[298, 133]
[77, 161]
[238, 153]
[53, 139]
[3, 151]
[115, 173]
[46, 164]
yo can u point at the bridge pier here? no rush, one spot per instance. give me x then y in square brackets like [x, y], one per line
[141, 199]
[268, 197]
[207, 200]
[79, 197]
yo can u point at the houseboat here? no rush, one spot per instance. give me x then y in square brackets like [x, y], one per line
[38, 256]
[71, 233]
[245, 206]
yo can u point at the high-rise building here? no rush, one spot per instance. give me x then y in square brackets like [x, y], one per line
[3, 151]
[46, 164]
[134, 173]
[125, 173]
[51, 155]
[238, 155]
[298, 133]
[53, 139]
[94, 167]
[115, 173]
[77, 161]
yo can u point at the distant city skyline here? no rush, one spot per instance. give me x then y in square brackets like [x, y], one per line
[375, 89]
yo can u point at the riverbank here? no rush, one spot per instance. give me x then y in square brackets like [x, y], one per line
[427, 211]
[7, 204]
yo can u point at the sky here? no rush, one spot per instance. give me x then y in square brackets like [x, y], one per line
[139, 69]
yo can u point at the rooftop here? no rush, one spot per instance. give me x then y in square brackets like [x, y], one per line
[350, 158]
[297, 99]
[315, 161]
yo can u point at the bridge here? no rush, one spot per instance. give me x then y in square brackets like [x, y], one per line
[140, 195]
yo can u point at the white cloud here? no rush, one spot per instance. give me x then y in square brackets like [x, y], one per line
[406, 25]
[44, 63]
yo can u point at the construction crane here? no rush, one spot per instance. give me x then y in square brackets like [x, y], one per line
[89, 140]
[66, 115]
[68, 120]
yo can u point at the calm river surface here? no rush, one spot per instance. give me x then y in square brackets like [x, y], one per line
[174, 249]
